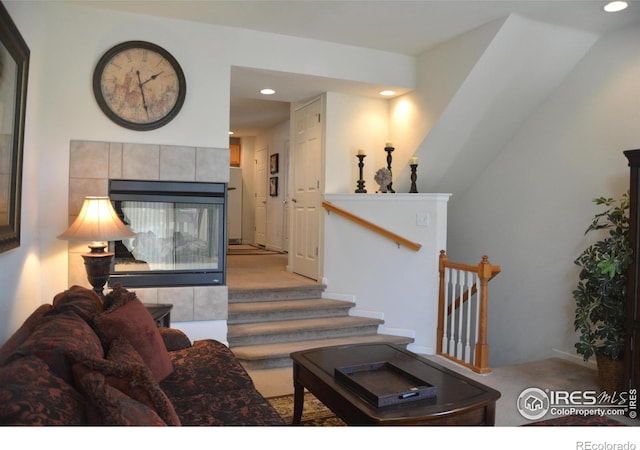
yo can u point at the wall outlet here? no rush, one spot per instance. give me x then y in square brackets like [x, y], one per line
[422, 219]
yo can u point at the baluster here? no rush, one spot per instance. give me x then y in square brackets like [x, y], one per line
[467, 347]
[477, 320]
[460, 332]
[445, 307]
[452, 340]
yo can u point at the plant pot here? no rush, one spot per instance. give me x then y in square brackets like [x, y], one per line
[610, 374]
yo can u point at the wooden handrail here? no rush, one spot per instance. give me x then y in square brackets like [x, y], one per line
[330, 207]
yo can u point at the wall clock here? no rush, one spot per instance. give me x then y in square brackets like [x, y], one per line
[139, 85]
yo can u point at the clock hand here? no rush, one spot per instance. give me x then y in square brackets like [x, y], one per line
[144, 101]
[153, 77]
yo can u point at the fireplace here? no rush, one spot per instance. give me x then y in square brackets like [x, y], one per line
[180, 232]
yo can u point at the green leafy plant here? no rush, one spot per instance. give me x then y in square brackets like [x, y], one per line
[602, 287]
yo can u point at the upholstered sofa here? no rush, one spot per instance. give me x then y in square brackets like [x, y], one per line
[83, 360]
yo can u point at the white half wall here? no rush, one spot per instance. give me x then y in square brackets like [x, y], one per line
[384, 280]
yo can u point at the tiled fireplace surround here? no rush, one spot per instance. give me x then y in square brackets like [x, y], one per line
[92, 164]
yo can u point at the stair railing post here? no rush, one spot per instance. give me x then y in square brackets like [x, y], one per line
[482, 346]
[441, 305]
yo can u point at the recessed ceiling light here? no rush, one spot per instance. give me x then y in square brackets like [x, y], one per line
[230, 132]
[267, 91]
[387, 93]
[615, 6]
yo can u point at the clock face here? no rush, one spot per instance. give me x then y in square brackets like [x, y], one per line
[139, 85]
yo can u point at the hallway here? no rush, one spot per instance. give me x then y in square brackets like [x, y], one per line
[257, 271]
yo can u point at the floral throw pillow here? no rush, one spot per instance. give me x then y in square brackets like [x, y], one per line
[129, 318]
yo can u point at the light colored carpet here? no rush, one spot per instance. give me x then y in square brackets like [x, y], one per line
[262, 271]
[510, 381]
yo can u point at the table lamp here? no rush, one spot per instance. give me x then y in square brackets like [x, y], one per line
[97, 222]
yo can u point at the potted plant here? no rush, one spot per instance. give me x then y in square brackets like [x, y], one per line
[601, 294]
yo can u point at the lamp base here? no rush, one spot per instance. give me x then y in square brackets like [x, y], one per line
[97, 263]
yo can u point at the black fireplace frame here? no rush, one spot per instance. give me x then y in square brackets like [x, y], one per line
[172, 191]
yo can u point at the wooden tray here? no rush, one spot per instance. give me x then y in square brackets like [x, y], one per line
[384, 384]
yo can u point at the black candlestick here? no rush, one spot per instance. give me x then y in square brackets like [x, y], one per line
[361, 189]
[389, 150]
[414, 177]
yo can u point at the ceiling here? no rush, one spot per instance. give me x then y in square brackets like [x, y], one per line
[405, 27]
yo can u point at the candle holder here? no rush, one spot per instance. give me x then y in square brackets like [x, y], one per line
[361, 189]
[414, 177]
[389, 150]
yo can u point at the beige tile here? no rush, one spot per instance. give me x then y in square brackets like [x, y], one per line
[95, 162]
[212, 164]
[177, 163]
[140, 162]
[79, 188]
[115, 160]
[88, 159]
[78, 247]
[182, 300]
[77, 271]
[210, 302]
[146, 295]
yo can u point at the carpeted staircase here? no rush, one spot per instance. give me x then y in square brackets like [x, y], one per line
[266, 325]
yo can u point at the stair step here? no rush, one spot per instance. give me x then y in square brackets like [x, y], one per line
[265, 325]
[255, 357]
[252, 312]
[300, 330]
[271, 294]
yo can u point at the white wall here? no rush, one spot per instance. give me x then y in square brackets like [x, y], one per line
[66, 41]
[440, 73]
[352, 123]
[528, 211]
[476, 90]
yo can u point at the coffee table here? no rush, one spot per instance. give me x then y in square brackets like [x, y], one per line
[459, 400]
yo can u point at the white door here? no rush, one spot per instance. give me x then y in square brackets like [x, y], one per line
[261, 197]
[306, 189]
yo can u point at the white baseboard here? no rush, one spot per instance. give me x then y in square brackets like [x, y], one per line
[336, 296]
[421, 350]
[574, 358]
[396, 331]
[366, 313]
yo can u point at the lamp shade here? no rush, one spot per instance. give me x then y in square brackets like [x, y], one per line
[97, 221]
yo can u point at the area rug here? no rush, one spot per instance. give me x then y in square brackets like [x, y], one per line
[314, 413]
[241, 249]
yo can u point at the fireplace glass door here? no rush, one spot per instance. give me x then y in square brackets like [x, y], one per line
[179, 235]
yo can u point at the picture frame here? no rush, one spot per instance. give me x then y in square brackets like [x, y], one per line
[274, 163]
[273, 186]
[14, 70]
